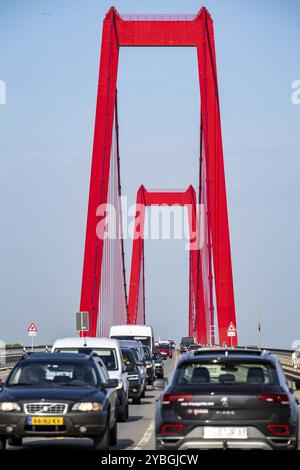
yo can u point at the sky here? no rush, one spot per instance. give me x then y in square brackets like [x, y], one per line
[49, 61]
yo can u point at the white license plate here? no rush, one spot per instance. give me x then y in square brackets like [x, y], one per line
[213, 432]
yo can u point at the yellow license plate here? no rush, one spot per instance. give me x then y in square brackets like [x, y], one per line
[46, 421]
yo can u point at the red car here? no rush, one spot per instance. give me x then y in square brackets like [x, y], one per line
[165, 350]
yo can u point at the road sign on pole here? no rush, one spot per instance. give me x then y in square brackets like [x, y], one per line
[82, 321]
[32, 331]
[231, 332]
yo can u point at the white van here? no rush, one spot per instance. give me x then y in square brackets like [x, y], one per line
[110, 352]
[141, 333]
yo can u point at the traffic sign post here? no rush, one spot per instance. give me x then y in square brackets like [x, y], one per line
[82, 321]
[231, 333]
[32, 332]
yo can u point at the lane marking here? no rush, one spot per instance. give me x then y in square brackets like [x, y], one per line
[146, 437]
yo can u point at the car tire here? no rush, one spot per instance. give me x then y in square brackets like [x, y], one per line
[122, 417]
[113, 435]
[102, 442]
[2, 443]
[15, 441]
[136, 400]
[143, 393]
[298, 434]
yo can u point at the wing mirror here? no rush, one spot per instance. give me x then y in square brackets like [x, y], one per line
[112, 383]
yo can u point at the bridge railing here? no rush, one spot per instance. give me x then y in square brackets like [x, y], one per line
[8, 357]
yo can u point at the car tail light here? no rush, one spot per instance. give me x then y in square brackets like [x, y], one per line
[171, 429]
[169, 398]
[279, 429]
[279, 398]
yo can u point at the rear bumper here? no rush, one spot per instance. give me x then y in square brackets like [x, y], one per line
[94, 424]
[195, 440]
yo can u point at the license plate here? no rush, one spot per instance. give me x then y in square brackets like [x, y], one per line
[212, 432]
[45, 421]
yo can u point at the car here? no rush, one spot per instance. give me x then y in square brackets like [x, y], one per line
[150, 369]
[226, 399]
[172, 343]
[110, 352]
[165, 350]
[139, 355]
[159, 367]
[185, 342]
[58, 395]
[136, 381]
[142, 333]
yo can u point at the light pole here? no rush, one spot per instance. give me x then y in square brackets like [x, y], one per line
[259, 330]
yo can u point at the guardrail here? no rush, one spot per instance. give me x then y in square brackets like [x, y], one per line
[8, 357]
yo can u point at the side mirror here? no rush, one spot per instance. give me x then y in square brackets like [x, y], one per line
[160, 384]
[112, 383]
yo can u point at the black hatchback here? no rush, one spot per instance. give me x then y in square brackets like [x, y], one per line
[52, 395]
[227, 399]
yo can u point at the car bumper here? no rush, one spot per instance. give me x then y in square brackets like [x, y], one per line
[75, 424]
[194, 440]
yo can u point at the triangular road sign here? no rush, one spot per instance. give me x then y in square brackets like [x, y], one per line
[32, 327]
[231, 331]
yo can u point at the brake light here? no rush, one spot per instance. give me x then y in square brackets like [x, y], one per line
[279, 429]
[279, 398]
[169, 398]
[171, 429]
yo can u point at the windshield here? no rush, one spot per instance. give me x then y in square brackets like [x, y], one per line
[41, 374]
[145, 340]
[227, 373]
[128, 359]
[108, 355]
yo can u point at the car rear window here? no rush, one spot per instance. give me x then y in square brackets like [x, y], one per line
[108, 355]
[226, 373]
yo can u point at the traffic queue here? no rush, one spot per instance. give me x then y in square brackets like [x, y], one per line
[81, 389]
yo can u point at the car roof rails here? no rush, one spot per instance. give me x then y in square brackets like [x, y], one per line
[231, 352]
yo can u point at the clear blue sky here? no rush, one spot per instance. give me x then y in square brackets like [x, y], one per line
[50, 66]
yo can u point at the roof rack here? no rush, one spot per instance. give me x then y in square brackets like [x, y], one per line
[231, 352]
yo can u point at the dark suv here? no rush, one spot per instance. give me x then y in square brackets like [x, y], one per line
[135, 378]
[227, 399]
[59, 394]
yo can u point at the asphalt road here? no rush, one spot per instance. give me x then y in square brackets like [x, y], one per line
[136, 434]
